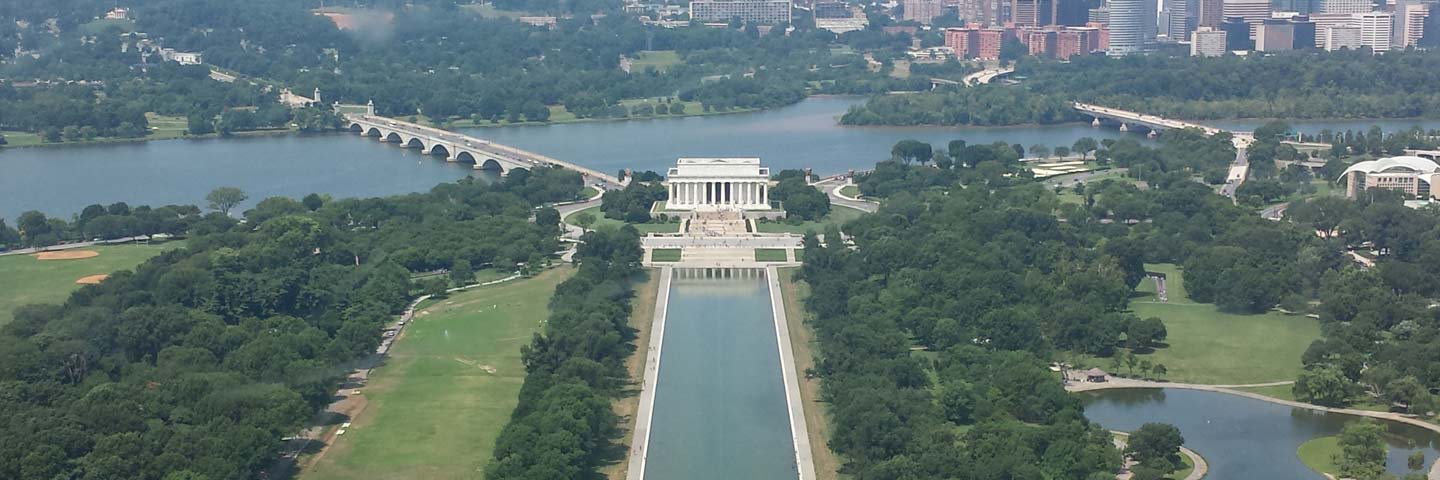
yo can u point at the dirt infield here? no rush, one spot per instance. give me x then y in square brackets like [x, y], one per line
[66, 255]
[91, 280]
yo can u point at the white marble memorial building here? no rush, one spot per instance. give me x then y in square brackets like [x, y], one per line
[718, 184]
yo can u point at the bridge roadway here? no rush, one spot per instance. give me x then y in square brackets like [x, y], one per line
[1239, 170]
[457, 147]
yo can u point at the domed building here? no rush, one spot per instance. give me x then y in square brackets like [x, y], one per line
[1412, 175]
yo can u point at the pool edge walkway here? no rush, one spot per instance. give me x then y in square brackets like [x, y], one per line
[640, 443]
[799, 431]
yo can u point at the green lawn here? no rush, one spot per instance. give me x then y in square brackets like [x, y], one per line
[1320, 453]
[838, 216]
[25, 280]
[850, 191]
[644, 228]
[665, 255]
[1184, 471]
[437, 405]
[587, 192]
[770, 255]
[1209, 346]
[660, 60]
[162, 127]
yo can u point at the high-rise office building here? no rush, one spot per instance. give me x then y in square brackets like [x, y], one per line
[832, 10]
[1324, 21]
[1207, 42]
[1253, 11]
[1345, 6]
[1031, 13]
[1410, 24]
[768, 12]
[1174, 24]
[1237, 33]
[1304, 32]
[1376, 29]
[1212, 12]
[1132, 26]
[1100, 14]
[923, 11]
[983, 12]
[1072, 13]
[1275, 35]
[1342, 36]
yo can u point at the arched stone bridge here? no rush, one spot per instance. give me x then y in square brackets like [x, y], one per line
[456, 147]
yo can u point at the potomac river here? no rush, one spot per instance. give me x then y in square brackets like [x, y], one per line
[62, 180]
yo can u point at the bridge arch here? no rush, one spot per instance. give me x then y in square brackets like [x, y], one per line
[466, 157]
[393, 137]
[491, 164]
[356, 127]
[414, 142]
[372, 132]
[439, 150]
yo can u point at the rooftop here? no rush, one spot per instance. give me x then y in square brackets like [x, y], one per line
[718, 167]
[1404, 164]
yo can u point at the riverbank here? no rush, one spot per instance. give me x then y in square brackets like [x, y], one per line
[37, 143]
[560, 116]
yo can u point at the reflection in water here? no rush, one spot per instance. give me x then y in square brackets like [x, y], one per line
[1240, 437]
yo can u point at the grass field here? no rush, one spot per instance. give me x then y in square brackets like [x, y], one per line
[162, 127]
[644, 228]
[665, 255]
[25, 280]
[660, 60]
[838, 216]
[806, 351]
[770, 255]
[1320, 453]
[588, 192]
[1213, 347]
[437, 405]
[850, 191]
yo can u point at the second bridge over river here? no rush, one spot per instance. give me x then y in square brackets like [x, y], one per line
[457, 147]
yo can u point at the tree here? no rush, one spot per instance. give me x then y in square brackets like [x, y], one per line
[1325, 386]
[1039, 151]
[1011, 49]
[1362, 449]
[583, 219]
[1084, 145]
[199, 123]
[1416, 461]
[1062, 151]
[462, 273]
[225, 198]
[906, 151]
[1156, 445]
[547, 217]
[312, 202]
[1145, 334]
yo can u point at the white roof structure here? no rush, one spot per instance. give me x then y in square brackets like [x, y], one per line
[1402, 165]
[741, 167]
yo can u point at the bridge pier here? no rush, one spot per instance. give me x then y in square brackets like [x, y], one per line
[1124, 127]
[1152, 134]
[1095, 123]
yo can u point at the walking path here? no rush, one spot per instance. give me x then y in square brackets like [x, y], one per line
[799, 431]
[1081, 386]
[832, 187]
[639, 444]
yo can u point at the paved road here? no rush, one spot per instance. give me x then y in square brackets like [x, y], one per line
[69, 246]
[1275, 212]
[831, 187]
[1232, 185]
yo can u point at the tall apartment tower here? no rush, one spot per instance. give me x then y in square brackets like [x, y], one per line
[1132, 26]
[1207, 42]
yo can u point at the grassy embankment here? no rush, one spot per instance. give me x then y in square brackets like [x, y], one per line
[1320, 454]
[838, 216]
[25, 280]
[806, 350]
[665, 255]
[643, 228]
[448, 387]
[1208, 346]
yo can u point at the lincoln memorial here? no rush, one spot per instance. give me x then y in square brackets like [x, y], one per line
[718, 184]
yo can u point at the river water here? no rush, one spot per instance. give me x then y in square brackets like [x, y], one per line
[720, 409]
[63, 180]
[1244, 438]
